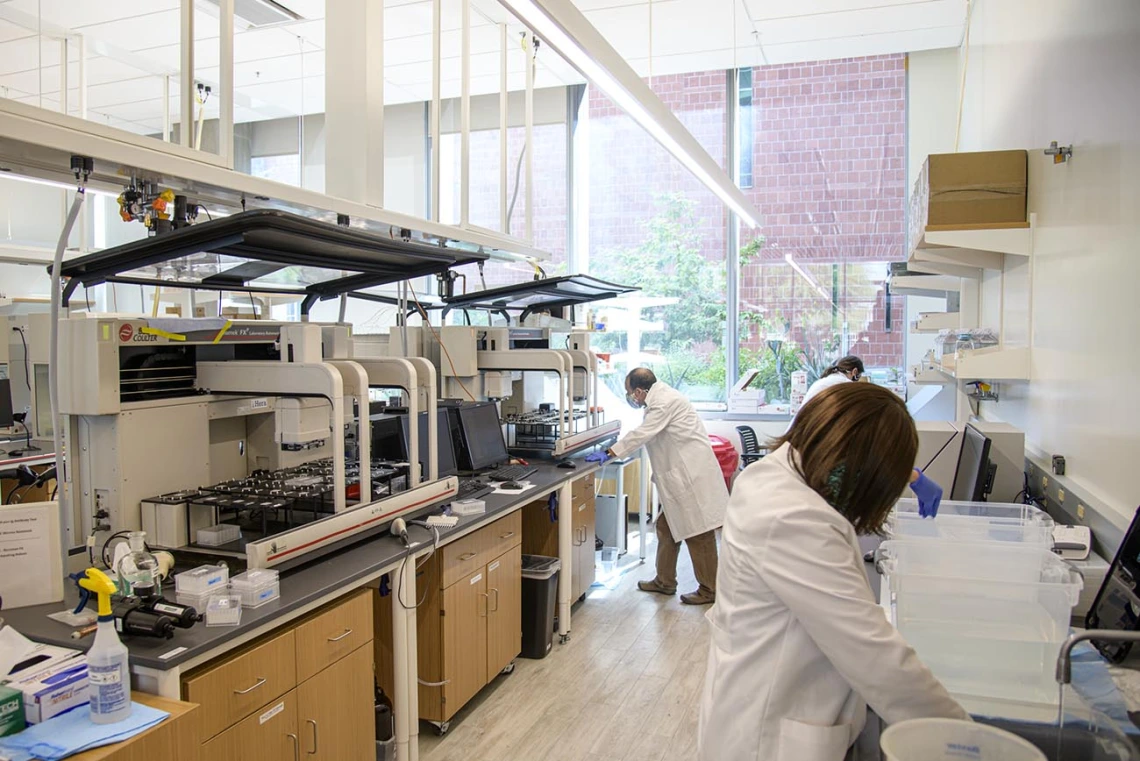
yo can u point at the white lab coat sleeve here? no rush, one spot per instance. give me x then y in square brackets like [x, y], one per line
[656, 418]
[811, 566]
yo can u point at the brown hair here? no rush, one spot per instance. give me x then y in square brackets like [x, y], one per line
[856, 444]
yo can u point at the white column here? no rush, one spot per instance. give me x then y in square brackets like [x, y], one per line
[82, 77]
[354, 101]
[63, 75]
[436, 33]
[226, 83]
[465, 116]
[504, 159]
[186, 81]
[529, 131]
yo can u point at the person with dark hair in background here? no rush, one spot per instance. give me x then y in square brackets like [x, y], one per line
[850, 368]
[799, 645]
[689, 482]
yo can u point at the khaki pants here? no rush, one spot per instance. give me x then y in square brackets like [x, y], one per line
[702, 549]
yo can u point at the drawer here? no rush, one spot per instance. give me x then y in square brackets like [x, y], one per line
[269, 735]
[232, 690]
[462, 557]
[583, 487]
[334, 633]
[503, 535]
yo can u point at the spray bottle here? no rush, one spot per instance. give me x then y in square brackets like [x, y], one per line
[108, 675]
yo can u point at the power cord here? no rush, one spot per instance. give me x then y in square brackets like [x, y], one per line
[27, 359]
[403, 566]
[435, 333]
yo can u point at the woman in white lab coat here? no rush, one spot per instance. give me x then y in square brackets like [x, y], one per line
[850, 368]
[799, 646]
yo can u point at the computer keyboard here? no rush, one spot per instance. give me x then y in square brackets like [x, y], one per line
[443, 521]
[510, 473]
[473, 489]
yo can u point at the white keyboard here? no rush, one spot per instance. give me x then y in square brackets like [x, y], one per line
[443, 521]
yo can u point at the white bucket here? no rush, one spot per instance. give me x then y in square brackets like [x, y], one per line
[951, 740]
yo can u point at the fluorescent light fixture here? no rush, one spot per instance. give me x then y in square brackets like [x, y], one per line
[563, 27]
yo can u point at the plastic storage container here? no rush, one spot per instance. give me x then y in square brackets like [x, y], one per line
[950, 740]
[223, 610]
[215, 536]
[202, 580]
[256, 587]
[202, 601]
[988, 618]
[539, 603]
[973, 522]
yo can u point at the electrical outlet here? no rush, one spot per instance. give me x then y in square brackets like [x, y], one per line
[1080, 512]
[1044, 482]
[1060, 495]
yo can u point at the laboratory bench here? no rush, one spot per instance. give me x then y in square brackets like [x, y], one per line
[311, 651]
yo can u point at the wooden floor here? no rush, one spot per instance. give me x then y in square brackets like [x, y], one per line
[625, 687]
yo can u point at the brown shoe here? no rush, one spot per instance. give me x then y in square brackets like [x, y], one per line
[654, 586]
[698, 598]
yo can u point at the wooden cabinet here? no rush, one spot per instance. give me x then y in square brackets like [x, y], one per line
[469, 622]
[268, 735]
[303, 690]
[334, 723]
[540, 534]
[504, 614]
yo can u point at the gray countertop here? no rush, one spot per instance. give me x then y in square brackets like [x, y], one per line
[301, 588]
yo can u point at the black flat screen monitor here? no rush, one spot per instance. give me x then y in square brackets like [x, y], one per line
[387, 438]
[6, 419]
[482, 436]
[973, 467]
[446, 448]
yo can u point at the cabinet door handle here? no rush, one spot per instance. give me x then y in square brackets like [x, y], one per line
[496, 608]
[313, 752]
[296, 746]
[487, 607]
[467, 556]
[248, 690]
[507, 535]
[338, 639]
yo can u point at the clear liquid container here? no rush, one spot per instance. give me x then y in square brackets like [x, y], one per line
[138, 567]
[108, 675]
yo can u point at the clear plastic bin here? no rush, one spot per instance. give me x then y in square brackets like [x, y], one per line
[256, 587]
[973, 522]
[223, 610]
[200, 602]
[987, 618]
[216, 536]
[201, 580]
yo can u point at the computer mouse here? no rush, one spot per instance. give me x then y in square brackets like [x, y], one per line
[510, 485]
[566, 464]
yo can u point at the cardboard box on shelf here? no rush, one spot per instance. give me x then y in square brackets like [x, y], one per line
[970, 190]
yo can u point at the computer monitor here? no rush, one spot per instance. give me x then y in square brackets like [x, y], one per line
[482, 436]
[387, 438]
[973, 472]
[446, 447]
[6, 419]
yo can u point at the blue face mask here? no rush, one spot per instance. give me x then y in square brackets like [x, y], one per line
[631, 400]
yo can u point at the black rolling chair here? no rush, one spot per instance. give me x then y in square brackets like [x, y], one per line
[751, 446]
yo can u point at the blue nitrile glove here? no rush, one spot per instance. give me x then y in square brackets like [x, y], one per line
[929, 495]
[597, 457]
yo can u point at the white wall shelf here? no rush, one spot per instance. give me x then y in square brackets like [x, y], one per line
[966, 251]
[936, 322]
[925, 285]
[926, 376]
[992, 364]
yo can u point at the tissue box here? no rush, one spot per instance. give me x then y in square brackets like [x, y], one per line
[53, 690]
[11, 711]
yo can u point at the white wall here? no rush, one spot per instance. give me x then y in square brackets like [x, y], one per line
[932, 106]
[1042, 70]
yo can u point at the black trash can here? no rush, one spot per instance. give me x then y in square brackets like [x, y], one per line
[539, 602]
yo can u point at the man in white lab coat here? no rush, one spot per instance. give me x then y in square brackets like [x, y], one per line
[690, 485]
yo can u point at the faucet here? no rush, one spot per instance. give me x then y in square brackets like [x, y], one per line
[1065, 658]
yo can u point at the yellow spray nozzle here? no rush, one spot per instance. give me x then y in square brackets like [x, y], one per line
[98, 582]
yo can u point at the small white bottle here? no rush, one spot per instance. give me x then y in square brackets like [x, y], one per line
[108, 675]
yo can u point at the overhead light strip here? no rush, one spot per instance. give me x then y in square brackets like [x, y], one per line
[563, 27]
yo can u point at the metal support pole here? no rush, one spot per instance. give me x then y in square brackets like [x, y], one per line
[403, 689]
[732, 327]
[529, 147]
[166, 108]
[465, 116]
[186, 76]
[82, 77]
[566, 555]
[436, 23]
[504, 101]
[413, 681]
[226, 83]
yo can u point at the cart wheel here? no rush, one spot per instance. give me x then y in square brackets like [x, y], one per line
[442, 728]
[564, 638]
[508, 669]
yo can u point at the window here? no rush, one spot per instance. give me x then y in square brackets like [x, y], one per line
[827, 144]
[744, 127]
[653, 225]
[284, 168]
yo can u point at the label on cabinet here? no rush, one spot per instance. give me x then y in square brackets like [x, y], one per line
[272, 712]
[476, 578]
[493, 566]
